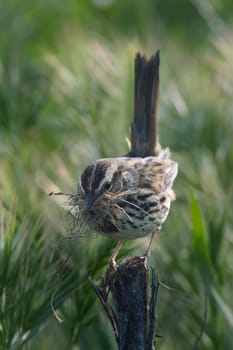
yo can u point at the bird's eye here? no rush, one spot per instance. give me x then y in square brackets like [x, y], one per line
[107, 186]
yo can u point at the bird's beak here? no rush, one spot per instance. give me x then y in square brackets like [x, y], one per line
[90, 200]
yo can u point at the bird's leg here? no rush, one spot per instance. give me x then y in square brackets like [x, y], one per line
[147, 253]
[112, 261]
[106, 280]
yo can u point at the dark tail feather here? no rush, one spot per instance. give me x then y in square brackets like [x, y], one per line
[143, 127]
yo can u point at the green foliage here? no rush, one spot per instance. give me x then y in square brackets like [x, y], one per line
[200, 244]
[66, 98]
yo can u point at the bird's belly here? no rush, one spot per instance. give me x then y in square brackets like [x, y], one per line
[130, 233]
[130, 221]
[137, 228]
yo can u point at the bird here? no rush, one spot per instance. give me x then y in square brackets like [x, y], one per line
[129, 197]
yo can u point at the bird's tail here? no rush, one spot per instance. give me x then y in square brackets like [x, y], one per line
[144, 124]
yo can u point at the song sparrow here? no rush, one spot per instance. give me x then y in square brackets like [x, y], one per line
[129, 197]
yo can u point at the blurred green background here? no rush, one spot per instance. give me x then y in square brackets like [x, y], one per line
[66, 98]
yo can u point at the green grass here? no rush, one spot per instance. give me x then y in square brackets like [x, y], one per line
[66, 98]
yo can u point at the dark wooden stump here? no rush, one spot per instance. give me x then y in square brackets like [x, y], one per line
[129, 295]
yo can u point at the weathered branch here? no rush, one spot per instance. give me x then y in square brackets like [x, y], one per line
[132, 289]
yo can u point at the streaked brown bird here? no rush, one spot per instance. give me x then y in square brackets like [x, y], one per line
[129, 197]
